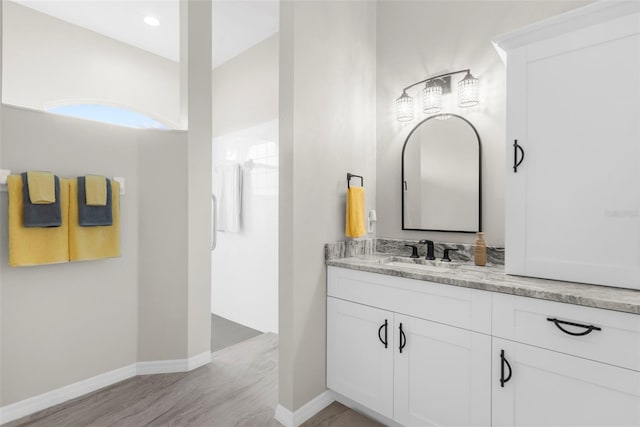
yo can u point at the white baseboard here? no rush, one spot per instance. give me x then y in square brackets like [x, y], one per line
[198, 360]
[283, 416]
[161, 367]
[175, 365]
[55, 397]
[306, 411]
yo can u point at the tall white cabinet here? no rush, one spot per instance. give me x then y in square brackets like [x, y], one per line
[573, 146]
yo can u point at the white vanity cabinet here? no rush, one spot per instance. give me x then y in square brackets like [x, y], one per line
[573, 109]
[557, 364]
[428, 354]
[429, 373]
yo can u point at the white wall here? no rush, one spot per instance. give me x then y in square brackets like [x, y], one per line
[246, 88]
[64, 323]
[67, 322]
[245, 123]
[420, 39]
[327, 128]
[81, 66]
[196, 53]
[162, 228]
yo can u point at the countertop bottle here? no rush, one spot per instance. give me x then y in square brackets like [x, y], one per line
[480, 250]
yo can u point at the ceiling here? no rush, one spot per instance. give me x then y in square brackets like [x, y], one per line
[237, 24]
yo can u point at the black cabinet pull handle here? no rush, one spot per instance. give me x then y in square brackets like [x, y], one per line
[503, 362]
[517, 163]
[403, 339]
[589, 328]
[384, 325]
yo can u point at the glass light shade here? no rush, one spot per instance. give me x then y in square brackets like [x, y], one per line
[468, 91]
[404, 108]
[432, 98]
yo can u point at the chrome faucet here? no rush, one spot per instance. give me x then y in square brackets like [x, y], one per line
[430, 249]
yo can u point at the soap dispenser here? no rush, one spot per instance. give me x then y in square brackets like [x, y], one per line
[480, 251]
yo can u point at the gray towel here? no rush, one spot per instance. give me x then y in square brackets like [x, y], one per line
[42, 216]
[90, 216]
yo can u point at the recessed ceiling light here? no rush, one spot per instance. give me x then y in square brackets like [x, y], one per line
[150, 20]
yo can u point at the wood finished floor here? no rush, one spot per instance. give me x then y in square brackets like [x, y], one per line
[338, 415]
[238, 388]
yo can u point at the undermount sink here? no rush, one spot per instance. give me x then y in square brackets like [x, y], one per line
[421, 264]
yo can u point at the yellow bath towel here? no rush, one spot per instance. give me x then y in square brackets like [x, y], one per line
[87, 243]
[41, 187]
[95, 190]
[36, 246]
[355, 226]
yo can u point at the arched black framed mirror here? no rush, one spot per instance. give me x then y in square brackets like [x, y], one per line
[442, 176]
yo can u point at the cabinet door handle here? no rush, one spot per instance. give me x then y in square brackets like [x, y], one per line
[384, 325]
[516, 148]
[589, 328]
[403, 339]
[503, 362]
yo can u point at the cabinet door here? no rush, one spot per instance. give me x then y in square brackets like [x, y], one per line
[546, 388]
[442, 375]
[359, 366]
[571, 212]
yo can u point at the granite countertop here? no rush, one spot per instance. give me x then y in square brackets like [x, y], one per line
[493, 278]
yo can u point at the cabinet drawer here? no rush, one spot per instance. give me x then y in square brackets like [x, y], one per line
[452, 305]
[525, 320]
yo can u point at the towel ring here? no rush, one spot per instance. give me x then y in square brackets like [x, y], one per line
[350, 175]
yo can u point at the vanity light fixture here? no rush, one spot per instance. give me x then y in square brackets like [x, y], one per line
[432, 94]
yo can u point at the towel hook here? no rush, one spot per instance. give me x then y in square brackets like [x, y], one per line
[350, 175]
